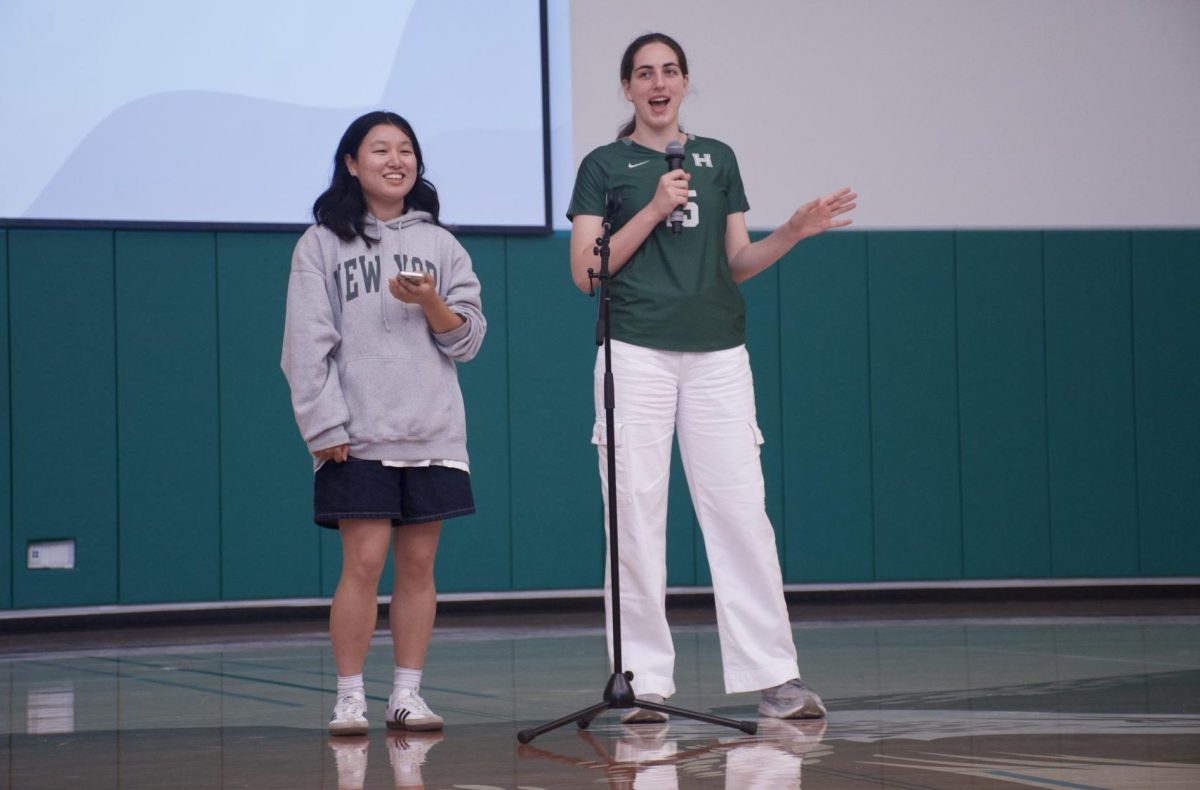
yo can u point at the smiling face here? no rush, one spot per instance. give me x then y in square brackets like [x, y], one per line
[656, 88]
[386, 168]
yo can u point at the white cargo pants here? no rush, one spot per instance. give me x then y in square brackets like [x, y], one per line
[708, 398]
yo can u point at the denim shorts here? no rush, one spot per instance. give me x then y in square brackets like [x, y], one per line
[362, 489]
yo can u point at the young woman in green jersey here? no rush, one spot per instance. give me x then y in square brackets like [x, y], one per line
[681, 368]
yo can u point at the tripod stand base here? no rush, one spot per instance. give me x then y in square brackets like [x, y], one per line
[618, 695]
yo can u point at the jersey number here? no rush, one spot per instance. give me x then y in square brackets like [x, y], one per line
[691, 212]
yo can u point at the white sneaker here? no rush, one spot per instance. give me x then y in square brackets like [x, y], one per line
[645, 715]
[407, 711]
[349, 716]
[791, 700]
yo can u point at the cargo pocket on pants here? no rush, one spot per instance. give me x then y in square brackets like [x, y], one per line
[600, 439]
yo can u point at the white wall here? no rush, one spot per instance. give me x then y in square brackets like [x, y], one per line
[941, 113]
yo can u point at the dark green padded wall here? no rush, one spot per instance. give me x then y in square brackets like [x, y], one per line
[936, 405]
[686, 562]
[167, 417]
[6, 538]
[1089, 405]
[269, 545]
[1166, 332]
[825, 385]
[914, 405]
[557, 541]
[64, 412]
[1002, 405]
[474, 553]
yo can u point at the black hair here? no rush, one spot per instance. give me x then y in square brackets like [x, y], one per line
[342, 207]
[627, 66]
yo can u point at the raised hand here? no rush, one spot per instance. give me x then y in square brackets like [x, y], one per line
[822, 214]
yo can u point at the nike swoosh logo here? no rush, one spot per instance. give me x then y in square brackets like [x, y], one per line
[639, 164]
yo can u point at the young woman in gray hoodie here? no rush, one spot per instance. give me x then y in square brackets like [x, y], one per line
[382, 304]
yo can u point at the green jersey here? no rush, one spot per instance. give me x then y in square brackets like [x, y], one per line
[676, 292]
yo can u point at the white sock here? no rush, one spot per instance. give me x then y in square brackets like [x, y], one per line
[406, 680]
[349, 684]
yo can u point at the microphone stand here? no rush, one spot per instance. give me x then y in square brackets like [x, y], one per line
[618, 693]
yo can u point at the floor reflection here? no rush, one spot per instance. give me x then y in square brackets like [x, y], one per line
[650, 757]
[407, 752]
[1085, 704]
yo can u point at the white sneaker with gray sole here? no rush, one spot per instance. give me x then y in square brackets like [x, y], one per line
[349, 715]
[407, 711]
[791, 700]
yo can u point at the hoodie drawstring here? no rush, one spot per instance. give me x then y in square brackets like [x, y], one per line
[383, 305]
[383, 262]
[380, 230]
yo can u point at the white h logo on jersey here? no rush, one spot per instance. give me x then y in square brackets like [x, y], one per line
[702, 160]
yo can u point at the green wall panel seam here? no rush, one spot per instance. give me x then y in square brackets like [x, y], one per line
[1137, 494]
[12, 533]
[220, 525]
[870, 407]
[116, 374]
[962, 519]
[782, 541]
[1046, 411]
[508, 418]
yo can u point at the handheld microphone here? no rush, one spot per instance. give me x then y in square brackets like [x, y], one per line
[674, 162]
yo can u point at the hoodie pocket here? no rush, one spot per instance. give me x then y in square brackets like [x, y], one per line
[401, 399]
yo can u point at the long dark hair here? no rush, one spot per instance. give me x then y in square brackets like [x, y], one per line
[627, 67]
[342, 208]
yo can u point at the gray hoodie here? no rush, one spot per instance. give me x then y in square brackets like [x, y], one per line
[364, 368]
